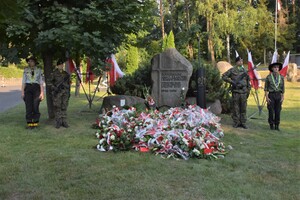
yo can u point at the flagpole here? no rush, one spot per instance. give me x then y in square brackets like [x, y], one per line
[276, 8]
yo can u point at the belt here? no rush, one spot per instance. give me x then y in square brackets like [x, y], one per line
[275, 92]
[32, 84]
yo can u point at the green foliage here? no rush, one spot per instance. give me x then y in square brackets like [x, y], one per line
[154, 48]
[171, 40]
[168, 41]
[164, 43]
[134, 84]
[93, 28]
[132, 59]
[11, 72]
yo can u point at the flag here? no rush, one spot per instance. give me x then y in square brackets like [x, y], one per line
[274, 58]
[70, 66]
[253, 74]
[115, 71]
[236, 54]
[285, 65]
[278, 5]
[89, 74]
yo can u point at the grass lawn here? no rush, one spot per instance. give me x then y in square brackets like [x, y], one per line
[49, 163]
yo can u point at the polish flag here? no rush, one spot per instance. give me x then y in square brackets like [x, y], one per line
[254, 75]
[274, 58]
[115, 72]
[285, 65]
[278, 5]
[70, 66]
[89, 74]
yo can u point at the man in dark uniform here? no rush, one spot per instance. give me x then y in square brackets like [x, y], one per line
[60, 81]
[32, 92]
[274, 92]
[240, 81]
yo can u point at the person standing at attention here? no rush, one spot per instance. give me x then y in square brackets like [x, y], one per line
[60, 81]
[274, 92]
[32, 92]
[240, 81]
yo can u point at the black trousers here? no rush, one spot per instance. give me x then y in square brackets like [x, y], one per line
[274, 108]
[32, 102]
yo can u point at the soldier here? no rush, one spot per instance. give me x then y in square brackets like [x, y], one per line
[32, 92]
[60, 81]
[274, 92]
[240, 82]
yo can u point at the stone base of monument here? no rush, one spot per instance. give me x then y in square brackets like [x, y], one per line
[121, 101]
[214, 107]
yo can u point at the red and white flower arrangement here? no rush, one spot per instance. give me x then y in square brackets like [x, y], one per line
[178, 132]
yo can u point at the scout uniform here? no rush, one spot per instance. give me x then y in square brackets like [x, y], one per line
[60, 81]
[274, 88]
[240, 81]
[32, 81]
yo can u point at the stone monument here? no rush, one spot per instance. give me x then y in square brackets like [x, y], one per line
[170, 75]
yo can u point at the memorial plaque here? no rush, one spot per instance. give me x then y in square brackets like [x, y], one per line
[170, 74]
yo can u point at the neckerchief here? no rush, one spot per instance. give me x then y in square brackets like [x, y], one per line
[33, 75]
[277, 81]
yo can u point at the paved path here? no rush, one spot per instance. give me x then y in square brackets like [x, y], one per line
[10, 96]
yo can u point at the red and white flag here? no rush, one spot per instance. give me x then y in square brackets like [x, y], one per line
[253, 74]
[89, 74]
[115, 71]
[278, 5]
[285, 65]
[274, 58]
[70, 66]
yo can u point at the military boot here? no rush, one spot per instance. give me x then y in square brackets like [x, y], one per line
[277, 127]
[58, 123]
[64, 123]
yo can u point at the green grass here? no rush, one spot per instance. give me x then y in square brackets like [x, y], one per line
[50, 163]
[11, 72]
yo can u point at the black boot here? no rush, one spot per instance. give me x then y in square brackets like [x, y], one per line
[64, 123]
[244, 126]
[271, 126]
[29, 126]
[58, 123]
[277, 127]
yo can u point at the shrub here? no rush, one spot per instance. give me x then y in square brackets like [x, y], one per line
[134, 84]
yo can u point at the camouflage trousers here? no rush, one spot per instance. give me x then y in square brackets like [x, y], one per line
[239, 108]
[60, 103]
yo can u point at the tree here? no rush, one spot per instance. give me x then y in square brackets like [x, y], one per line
[168, 41]
[94, 28]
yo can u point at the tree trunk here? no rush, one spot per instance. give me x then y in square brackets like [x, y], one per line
[172, 8]
[48, 68]
[227, 36]
[228, 47]
[190, 50]
[210, 42]
[162, 18]
[265, 55]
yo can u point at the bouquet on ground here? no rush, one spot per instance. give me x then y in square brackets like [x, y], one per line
[177, 132]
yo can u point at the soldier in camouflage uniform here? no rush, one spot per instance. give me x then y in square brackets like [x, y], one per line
[60, 85]
[240, 82]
